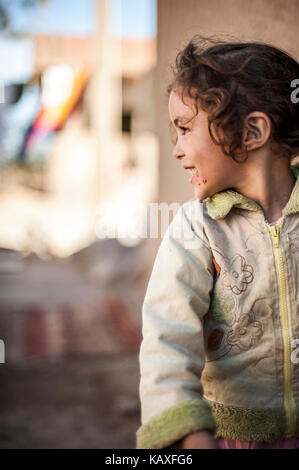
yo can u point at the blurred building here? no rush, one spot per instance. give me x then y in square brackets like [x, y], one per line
[106, 150]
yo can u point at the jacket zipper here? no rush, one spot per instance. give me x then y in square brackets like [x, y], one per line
[284, 306]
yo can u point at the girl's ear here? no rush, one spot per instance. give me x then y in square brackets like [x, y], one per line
[257, 130]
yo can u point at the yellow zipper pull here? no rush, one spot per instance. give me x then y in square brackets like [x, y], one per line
[275, 235]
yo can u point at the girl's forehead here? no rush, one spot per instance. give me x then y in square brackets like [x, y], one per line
[179, 108]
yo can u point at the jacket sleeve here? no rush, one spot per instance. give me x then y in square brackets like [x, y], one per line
[172, 350]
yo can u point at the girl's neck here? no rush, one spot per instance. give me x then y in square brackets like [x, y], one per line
[269, 182]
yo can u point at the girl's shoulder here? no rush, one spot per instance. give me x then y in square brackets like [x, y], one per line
[188, 224]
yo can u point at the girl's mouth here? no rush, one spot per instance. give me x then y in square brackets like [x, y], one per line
[194, 176]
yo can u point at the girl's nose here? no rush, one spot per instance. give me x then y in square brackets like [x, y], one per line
[177, 152]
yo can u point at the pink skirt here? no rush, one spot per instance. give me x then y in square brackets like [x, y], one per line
[292, 443]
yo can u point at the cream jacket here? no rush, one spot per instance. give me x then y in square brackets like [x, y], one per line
[220, 320]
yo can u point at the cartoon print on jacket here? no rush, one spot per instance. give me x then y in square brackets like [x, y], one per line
[245, 332]
[238, 276]
[229, 328]
[241, 334]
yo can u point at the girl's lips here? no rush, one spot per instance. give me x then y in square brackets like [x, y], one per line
[194, 179]
[194, 176]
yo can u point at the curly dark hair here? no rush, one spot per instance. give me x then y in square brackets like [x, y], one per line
[229, 80]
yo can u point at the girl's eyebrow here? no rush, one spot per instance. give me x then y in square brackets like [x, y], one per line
[182, 119]
[178, 119]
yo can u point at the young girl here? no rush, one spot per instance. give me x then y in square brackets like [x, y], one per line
[218, 360]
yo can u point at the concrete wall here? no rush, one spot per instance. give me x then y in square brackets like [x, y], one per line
[272, 21]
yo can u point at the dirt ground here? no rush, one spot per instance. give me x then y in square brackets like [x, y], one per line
[70, 403]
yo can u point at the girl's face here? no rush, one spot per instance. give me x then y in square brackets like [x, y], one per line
[213, 170]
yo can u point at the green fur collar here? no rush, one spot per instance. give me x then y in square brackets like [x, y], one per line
[219, 205]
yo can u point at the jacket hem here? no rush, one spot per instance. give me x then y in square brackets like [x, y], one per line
[169, 427]
[250, 424]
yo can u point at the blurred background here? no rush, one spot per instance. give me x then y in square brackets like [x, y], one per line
[84, 139]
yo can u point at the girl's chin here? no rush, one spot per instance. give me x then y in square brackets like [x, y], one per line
[200, 192]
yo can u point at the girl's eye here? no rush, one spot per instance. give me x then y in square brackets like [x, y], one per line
[174, 139]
